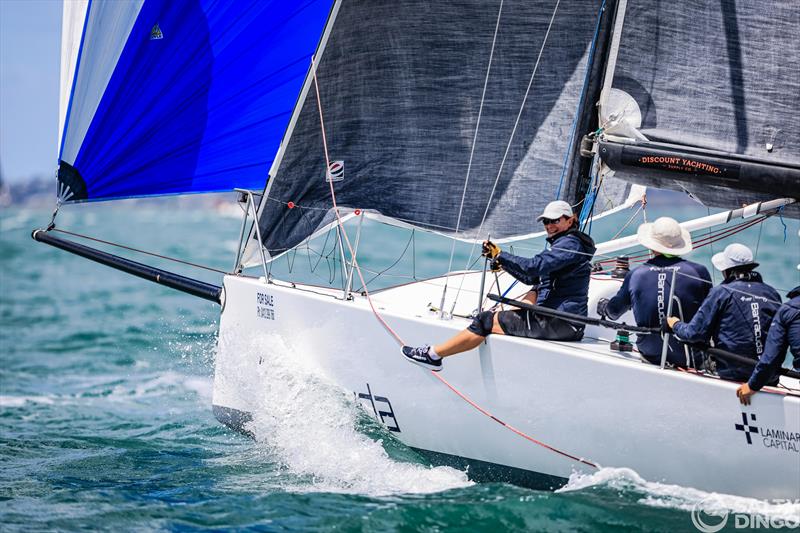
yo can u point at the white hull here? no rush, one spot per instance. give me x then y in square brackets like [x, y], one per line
[580, 398]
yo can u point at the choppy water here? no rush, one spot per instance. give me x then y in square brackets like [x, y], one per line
[105, 407]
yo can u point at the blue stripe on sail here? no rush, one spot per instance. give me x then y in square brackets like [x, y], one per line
[204, 108]
[74, 78]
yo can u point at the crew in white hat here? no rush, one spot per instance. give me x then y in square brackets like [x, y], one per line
[736, 315]
[784, 333]
[646, 289]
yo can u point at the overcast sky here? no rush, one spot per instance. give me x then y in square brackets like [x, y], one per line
[30, 51]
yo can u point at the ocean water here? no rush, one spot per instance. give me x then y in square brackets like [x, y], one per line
[105, 400]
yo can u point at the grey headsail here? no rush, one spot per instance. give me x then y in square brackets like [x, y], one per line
[401, 86]
[717, 87]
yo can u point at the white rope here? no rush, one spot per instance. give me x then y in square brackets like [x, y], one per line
[510, 141]
[628, 223]
[471, 154]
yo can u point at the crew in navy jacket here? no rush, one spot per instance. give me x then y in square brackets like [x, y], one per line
[784, 332]
[736, 314]
[559, 277]
[561, 274]
[646, 289]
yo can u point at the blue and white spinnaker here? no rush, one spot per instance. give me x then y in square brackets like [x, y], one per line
[180, 96]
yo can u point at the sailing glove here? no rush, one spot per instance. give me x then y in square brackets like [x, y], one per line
[602, 307]
[490, 250]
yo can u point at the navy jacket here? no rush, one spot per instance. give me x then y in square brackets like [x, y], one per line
[736, 314]
[646, 290]
[561, 272]
[783, 332]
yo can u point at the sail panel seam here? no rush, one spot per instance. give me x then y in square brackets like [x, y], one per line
[74, 79]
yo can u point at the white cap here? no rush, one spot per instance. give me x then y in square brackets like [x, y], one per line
[556, 210]
[734, 255]
[665, 236]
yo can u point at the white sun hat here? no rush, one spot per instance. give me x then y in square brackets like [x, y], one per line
[555, 210]
[665, 236]
[734, 255]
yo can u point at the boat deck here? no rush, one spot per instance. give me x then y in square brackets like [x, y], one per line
[422, 300]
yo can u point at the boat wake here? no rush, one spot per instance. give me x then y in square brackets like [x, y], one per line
[660, 495]
[317, 432]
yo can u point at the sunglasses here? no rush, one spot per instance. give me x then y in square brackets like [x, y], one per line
[547, 221]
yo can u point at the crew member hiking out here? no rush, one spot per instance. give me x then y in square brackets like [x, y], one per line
[736, 314]
[784, 332]
[646, 289]
[559, 279]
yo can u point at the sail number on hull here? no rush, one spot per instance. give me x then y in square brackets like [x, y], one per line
[380, 406]
[265, 306]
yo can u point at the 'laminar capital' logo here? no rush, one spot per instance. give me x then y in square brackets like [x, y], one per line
[775, 438]
[747, 428]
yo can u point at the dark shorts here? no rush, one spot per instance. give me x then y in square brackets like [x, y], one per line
[522, 323]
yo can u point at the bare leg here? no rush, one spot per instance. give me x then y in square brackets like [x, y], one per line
[464, 341]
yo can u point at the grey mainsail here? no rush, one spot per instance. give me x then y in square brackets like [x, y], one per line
[401, 87]
[718, 88]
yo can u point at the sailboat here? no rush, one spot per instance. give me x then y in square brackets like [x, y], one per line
[463, 121]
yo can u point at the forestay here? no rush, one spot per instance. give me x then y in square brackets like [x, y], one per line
[401, 86]
[179, 96]
[718, 88]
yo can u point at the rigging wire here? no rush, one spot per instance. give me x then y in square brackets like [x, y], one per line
[758, 241]
[145, 252]
[471, 154]
[708, 233]
[510, 141]
[402, 254]
[628, 223]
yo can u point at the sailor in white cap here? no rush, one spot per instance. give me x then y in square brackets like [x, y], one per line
[737, 313]
[559, 279]
[784, 332]
[646, 289]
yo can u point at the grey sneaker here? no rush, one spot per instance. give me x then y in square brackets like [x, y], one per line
[420, 356]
